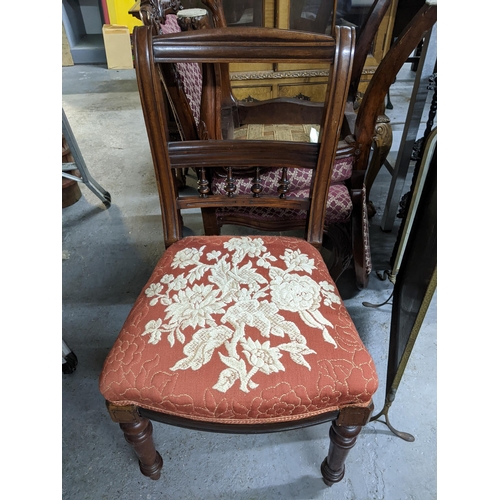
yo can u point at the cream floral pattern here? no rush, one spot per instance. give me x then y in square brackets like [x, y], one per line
[246, 303]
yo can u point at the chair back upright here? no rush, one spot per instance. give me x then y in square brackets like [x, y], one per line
[364, 42]
[154, 56]
[386, 72]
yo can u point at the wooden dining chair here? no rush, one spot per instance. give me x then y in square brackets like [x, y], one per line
[240, 334]
[214, 112]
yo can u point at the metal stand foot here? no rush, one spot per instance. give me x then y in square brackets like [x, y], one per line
[79, 164]
[69, 359]
[385, 412]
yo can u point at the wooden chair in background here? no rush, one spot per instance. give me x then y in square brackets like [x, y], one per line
[221, 115]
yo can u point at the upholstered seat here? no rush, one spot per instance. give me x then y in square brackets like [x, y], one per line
[248, 337]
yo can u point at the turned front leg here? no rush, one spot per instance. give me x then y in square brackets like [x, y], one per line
[140, 436]
[342, 439]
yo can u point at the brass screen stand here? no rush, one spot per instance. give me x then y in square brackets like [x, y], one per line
[416, 278]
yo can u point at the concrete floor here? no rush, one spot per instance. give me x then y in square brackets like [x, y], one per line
[107, 256]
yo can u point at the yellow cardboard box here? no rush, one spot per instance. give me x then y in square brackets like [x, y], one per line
[117, 46]
[119, 13]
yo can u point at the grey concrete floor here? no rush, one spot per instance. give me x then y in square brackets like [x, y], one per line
[108, 255]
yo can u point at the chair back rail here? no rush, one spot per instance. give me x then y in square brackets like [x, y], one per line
[231, 45]
[259, 153]
[250, 44]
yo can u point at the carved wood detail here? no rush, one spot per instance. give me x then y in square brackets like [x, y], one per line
[153, 12]
[284, 183]
[257, 183]
[230, 186]
[383, 141]
[264, 75]
[203, 183]
[249, 98]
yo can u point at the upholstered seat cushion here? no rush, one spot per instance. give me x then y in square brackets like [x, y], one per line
[239, 329]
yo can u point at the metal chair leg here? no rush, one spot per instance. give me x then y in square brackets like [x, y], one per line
[80, 165]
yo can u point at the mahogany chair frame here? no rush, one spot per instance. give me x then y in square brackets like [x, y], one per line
[203, 48]
[347, 422]
[222, 46]
[361, 130]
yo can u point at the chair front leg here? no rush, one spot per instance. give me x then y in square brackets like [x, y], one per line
[140, 436]
[138, 433]
[343, 434]
[342, 439]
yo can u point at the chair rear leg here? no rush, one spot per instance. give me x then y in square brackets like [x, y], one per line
[342, 439]
[210, 226]
[140, 436]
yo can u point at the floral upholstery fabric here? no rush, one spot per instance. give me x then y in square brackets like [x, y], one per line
[239, 329]
[189, 73]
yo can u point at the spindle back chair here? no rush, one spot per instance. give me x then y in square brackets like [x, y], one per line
[240, 334]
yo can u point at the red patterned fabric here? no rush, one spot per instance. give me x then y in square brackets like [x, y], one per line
[190, 73]
[338, 205]
[239, 330]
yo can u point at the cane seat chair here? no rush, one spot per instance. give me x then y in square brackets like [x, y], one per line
[240, 334]
[346, 223]
[365, 128]
[218, 114]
